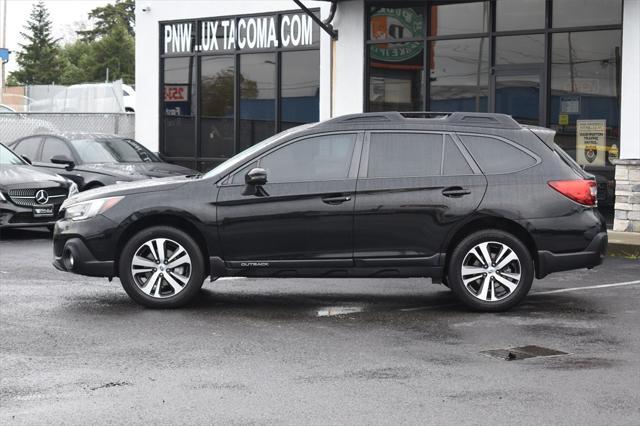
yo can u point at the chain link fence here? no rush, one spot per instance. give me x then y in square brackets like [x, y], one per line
[14, 125]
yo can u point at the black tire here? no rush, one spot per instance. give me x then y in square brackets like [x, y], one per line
[510, 298]
[132, 285]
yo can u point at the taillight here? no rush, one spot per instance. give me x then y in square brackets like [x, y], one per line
[581, 191]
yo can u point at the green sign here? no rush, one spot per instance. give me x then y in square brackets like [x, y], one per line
[396, 23]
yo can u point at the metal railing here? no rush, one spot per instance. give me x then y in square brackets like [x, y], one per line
[20, 124]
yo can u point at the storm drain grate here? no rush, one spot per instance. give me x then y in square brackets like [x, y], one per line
[522, 352]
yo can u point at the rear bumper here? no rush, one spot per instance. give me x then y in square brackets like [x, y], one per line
[592, 255]
[77, 258]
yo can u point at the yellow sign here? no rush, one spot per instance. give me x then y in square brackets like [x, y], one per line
[564, 120]
[591, 142]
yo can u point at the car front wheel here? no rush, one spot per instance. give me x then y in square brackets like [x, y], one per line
[490, 270]
[161, 267]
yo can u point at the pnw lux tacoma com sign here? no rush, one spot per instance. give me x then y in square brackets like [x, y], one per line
[245, 33]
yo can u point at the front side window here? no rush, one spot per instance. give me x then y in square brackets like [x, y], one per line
[495, 156]
[404, 155]
[314, 159]
[29, 148]
[53, 147]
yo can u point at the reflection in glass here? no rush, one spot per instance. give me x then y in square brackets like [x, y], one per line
[300, 88]
[395, 23]
[179, 106]
[396, 77]
[465, 18]
[519, 15]
[526, 49]
[519, 96]
[576, 13]
[257, 98]
[459, 74]
[216, 109]
[585, 94]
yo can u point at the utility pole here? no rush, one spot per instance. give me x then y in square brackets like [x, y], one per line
[4, 42]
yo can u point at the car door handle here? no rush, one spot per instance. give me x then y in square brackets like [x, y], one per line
[338, 199]
[455, 191]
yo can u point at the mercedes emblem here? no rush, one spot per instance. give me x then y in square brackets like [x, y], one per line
[42, 197]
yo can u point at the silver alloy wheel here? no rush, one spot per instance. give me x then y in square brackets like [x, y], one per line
[491, 271]
[161, 268]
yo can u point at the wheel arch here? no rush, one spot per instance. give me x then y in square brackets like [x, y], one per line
[491, 222]
[174, 220]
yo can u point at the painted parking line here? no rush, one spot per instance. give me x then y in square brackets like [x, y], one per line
[590, 287]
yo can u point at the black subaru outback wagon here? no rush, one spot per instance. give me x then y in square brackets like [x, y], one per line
[475, 201]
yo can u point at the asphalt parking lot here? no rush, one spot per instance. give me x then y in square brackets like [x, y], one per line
[76, 350]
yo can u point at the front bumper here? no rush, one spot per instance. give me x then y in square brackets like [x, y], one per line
[12, 216]
[592, 255]
[76, 257]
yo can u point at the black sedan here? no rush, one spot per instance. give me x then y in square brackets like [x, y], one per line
[28, 196]
[95, 160]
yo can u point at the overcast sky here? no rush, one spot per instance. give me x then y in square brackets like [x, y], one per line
[66, 15]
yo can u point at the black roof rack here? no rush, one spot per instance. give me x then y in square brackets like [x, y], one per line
[482, 119]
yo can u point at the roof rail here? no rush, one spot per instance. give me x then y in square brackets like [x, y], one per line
[482, 119]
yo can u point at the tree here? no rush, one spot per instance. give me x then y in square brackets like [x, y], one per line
[39, 59]
[114, 51]
[109, 17]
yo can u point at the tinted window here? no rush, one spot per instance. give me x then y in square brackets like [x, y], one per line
[575, 13]
[496, 156]
[314, 159]
[454, 162]
[405, 154]
[29, 148]
[54, 146]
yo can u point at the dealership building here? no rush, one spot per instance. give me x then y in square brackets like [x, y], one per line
[215, 77]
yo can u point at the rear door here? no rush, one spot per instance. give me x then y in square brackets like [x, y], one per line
[413, 188]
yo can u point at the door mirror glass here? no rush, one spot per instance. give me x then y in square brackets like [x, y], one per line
[256, 176]
[64, 160]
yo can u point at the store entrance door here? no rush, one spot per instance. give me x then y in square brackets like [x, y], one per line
[519, 92]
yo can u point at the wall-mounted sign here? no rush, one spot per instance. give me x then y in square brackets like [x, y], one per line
[591, 142]
[570, 104]
[176, 99]
[260, 32]
[395, 23]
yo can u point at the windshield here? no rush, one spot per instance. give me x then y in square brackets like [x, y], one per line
[112, 150]
[8, 157]
[239, 158]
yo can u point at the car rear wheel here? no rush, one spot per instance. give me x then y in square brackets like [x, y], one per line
[161, 267]
[490, 270]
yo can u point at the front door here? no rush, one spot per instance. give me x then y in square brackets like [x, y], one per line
[414, 187]
[305, 213]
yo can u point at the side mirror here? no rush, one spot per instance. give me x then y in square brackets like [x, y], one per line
[64, 160]
[256, 177]
[25, 158]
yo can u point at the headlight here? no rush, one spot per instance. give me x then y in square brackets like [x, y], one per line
[73, 189]
[89, 209]
[2, 197]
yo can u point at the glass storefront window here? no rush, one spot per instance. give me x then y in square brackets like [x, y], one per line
[519, 15]
[217, 84]
[579, 13]
[179, 75]
[395, 23]
[463, 18]
[300, 88]
[396, 76]
[459, 74]
[584, 104]
[257, 98]
[525, 49]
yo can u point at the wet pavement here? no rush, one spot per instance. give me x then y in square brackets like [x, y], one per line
[76, 350]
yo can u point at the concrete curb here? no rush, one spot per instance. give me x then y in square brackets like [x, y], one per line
[624, 244]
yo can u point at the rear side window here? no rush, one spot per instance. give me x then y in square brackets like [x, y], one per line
[404, 155]
[454, 162]
[28, 148]
[495, 156]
